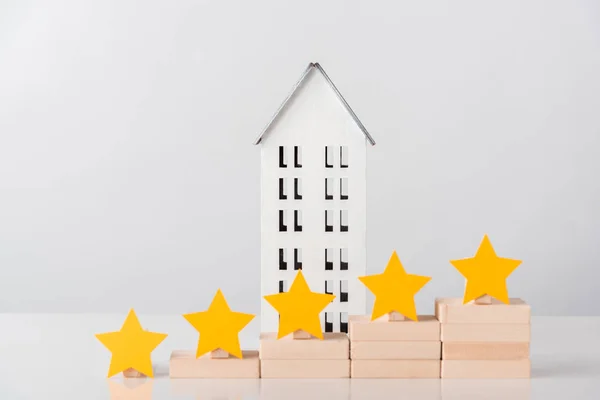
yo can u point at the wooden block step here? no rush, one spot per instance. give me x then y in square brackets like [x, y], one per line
[305, 369]
[184, 364]
[453, 311]
[334, 346]
[486, 369]
[427, 328]
[395, 369]
[485, 351]
[514, 333]
[406, 350]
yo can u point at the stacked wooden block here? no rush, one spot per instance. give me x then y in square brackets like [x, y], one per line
[304, 358]
[217, 364]
[484, 341]
[394, 349]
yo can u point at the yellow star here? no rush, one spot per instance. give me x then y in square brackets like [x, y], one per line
[394, 289]
[299, 308]
[131, 346]
[486, 273]
[219, 327]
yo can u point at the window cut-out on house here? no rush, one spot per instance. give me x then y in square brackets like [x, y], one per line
[344, 259]
[343, 291]
[282, 157]
[297, 220]
[328, 188]
[344, 188]
[344, 220]
[282, 189]
[344, 322]
[297, 189]
[329, 259]
[328, 221]
[328, 322]
[344, 157]
[329, 287]
[282, 286]
[282, 221]
[282, 259]
[297, 157]
[297, 259]
[328, 156]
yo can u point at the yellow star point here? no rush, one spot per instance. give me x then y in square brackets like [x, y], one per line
[394, 289]
[219, 327]
[299, 308]
[486, 273]
[131, 346]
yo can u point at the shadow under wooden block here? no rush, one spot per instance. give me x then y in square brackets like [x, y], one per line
[184, 364]
[361, 328]
[334, 346]
[486, 369]
[397, 350]
[395, 369]
[453, 311]
[305, 368]
[485, 351]
[514, 333]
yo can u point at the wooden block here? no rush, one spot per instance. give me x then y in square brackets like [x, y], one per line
[301, 335]
[305, 368]
[453, 311]
[132, 373]
[362, 329]
[404, 350]
[486, 369]
[219, 353]
[334, 346]
[485, 351]
[515, 333]
[395, 369]
[184, 364]
[395, 316]
[486, 299]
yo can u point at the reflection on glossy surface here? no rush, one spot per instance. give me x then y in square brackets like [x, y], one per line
[492, 389]
[354, 389]
[130, 389]
[304, 389]
[366, 389]
[216, 389]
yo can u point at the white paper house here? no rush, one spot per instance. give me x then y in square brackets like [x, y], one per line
[313, 199]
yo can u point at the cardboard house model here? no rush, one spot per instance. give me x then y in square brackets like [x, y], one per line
[313, 205]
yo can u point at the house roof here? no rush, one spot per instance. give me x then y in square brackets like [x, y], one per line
[315, 66]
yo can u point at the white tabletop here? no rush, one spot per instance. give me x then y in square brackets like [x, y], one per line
[56, 356]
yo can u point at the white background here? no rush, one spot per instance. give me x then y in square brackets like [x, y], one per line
[128, 178]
